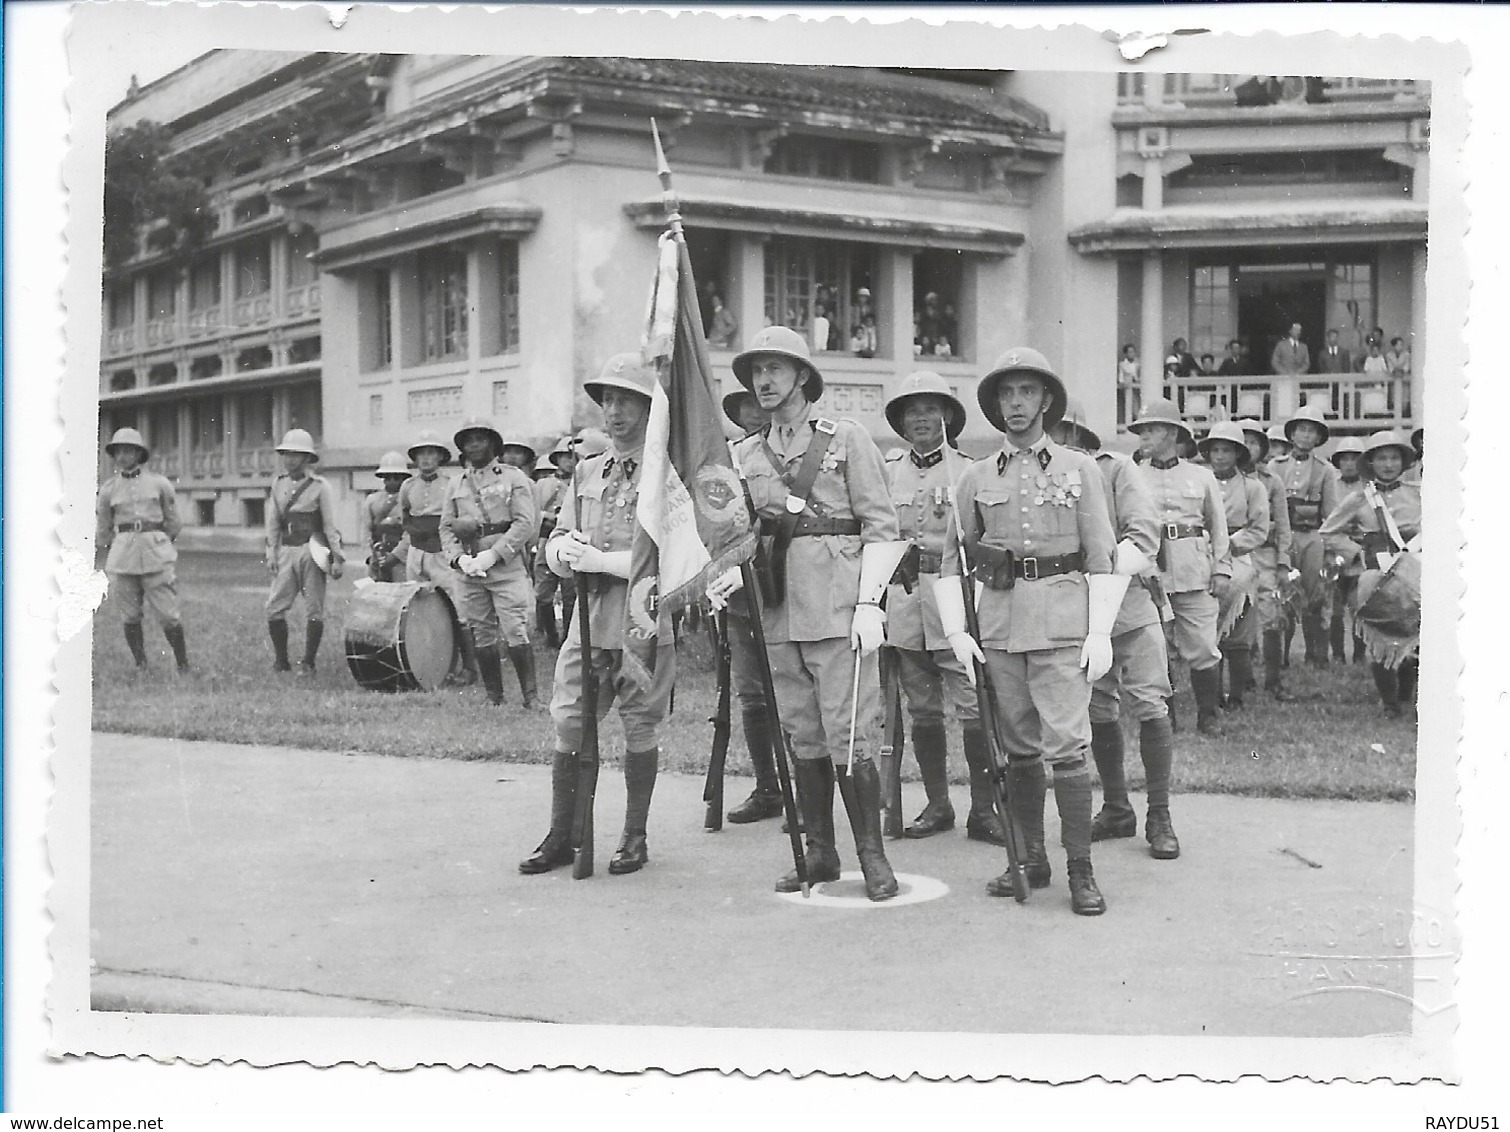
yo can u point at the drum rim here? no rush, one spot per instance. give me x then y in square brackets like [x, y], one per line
[411, 680]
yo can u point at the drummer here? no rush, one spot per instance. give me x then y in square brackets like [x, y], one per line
[382, 526]
[421, 502]
[1249, 524]
[1380, 518]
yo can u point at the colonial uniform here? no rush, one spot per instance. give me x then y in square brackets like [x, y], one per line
[422, 504]
[1194, 552]
[489, 513]
[382, 527]
[136, 518]
[300, 509]
[1036, 531]
[829, 523]
[1347, 573]
[550, 492]
[922, 489]
[1310, 485]
[1272, 561]
[600, 510]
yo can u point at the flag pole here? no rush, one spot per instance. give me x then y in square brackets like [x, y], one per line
[668, 194]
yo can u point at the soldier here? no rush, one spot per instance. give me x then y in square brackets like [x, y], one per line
[1380, 517]
[136, 520]
[1249, 526]
[819, 487]
[518, 453]
[422, 502]
[928, 416]
[594, 537]
[301, 509]
[1279, 443]
[1195, 562]
[1272, 560]
[1311, 495]
[1347, 458]
[1035, 526]
[552, 483]
[742, 407]
[382, 527]
[1140, 658]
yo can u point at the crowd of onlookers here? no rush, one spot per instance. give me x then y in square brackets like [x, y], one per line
[935, 325]
[1377, 355]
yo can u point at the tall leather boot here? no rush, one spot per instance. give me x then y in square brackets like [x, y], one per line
[491, 668]
[1072, 798]
[1289, 643]
[1116, 818]
[1207, 685]
[313, 631]
[1085, 897]
[1316, 641]
[1029, 787]
[861, 790]
[765, 800]
[556, 849]
[1388, 683]
[639, 785]
[1239, 674]
[815, 789]
[132, 630]
[1360, 650]
[523, 659]
[175, 635]
[1338, 636]
[545, 621]
[1273, 681]
[1156, 744]
[1405, 683]
[930, 743]
[278, 631]
[983, 824]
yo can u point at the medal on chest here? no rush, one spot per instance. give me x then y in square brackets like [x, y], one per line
[1058, 489]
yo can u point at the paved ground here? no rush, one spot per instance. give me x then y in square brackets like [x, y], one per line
[276, 881]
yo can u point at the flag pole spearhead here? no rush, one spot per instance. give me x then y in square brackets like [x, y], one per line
[668, 194]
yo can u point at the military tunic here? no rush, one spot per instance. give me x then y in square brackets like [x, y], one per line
[492, 508]
[1249, 526]
[1310, 485]
[1353, 529]
[136, 516]
[549, 495]
[807, 631]
[382, 532]
[422, 502]
[1272, 558]
[920, 491]
[1041, 502]
[602, 507]
[1193, 525]
[288, 529]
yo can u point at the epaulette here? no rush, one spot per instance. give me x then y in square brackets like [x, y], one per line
[896, 454]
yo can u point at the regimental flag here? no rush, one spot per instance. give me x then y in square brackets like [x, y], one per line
[693, 522]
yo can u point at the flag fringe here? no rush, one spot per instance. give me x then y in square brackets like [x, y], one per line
[691, 591]
[1386, 648]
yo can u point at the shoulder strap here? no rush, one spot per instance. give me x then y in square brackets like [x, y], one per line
[482, 509]
[304, 485]
[1386, 520]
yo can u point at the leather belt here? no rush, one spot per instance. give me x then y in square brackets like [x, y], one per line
[811, 526]
[999, 569]
[1181, 530]
[138, 526]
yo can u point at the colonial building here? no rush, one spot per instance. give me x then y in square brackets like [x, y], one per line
[405, 241]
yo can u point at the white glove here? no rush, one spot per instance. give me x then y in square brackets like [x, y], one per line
[464, 563]
[723, 587]
[1130, 560]
[483, 562]
[951, 603]
[595, 561]
[868, 631]
[560, 552]
[1106, 593]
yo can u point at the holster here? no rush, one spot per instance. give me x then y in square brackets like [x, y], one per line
[770, 571]
[993, 567]
[908, 569]
[1305, 514]
[1155, 587]
[298, 526]
[424, 533]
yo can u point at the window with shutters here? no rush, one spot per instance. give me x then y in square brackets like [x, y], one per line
[443, 303]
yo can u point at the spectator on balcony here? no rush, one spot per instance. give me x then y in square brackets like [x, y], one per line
[1128, 368]
[1398, 358]
[1232, 364]
[1291, 356]
[1208, 365]
[825, 336]
[1180, 351]
[1374, 365]
[723, 329]
[863, 338]
[935, 334]
[1335, 358]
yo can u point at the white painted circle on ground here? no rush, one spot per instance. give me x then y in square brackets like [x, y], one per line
[849, 892]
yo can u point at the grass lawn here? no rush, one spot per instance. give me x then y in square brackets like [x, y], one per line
[1322, 747]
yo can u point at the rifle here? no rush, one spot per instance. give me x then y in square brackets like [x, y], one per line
[985, 699]
[892, 743]
[713, 785]
[587, 758]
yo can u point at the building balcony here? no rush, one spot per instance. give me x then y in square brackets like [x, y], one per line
[253, 310]
[1263, 90]
[1352, 403]
[256, 461]
[301, 301]
[162, 331]
[206, 465]
[204, 322]
[121, 340]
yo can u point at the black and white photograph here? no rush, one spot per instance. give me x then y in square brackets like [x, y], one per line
[876, 550]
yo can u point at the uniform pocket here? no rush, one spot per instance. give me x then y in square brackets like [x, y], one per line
[1068, 602]
[995, 512]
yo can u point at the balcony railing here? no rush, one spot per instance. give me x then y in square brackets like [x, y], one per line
[256, 461]
[1354, 402]
[302, 300]
[204, 321]
[1220, 90]
[162, 331]
[248, 312]
[121, 340]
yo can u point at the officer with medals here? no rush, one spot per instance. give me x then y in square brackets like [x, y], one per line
[594, 536]
[486, 528]
[136, 521]
[1310, 485]
[300, 530]
[1139, 670]
[820, 489]
[382, 526]
[1037, 535]
[1195, 562]
[929, 417]
[1272, 560]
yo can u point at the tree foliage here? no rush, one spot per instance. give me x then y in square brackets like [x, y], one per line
[145, 182]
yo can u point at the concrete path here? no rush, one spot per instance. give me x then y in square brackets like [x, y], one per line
[265, 880]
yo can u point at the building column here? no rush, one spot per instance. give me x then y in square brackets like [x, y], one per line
[894, 308]
[747, 281]
[1151, 333]
[1153, 181]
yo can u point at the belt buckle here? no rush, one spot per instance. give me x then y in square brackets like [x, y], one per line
[1029, 569]
[1171, 530]
[136, 527]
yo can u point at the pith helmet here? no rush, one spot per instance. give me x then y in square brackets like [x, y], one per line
[1162, 411]
[1276, 435]
[622, 371]
[1075, 432]
[1306, 413]
[735, 401]
[298, 440]
[590, 442]
[124, 436]
[1021, 359]
[1345, 445]
[524, 446]
[1254, 428]
[562, 448]
[1389, 438]
[392, 464]
[545, 466]
[429, 438]
[479, 424]
[1418, 441]
[783, 342]
[1232, 432]
[925, 383]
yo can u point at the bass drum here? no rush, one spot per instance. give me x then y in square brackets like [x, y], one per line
[401, 636]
